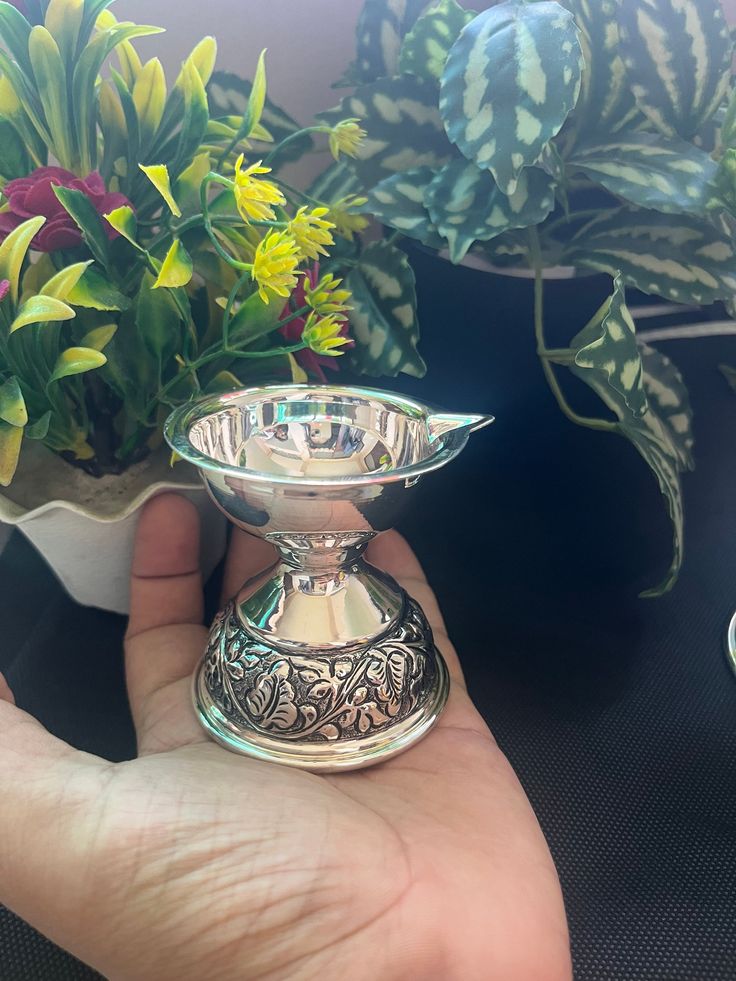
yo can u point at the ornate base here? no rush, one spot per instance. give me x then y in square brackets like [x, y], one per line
[321, 712]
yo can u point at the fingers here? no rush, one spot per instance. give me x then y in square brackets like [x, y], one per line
[165, 637]
[246, 557]
[48, 800]
[393, 554]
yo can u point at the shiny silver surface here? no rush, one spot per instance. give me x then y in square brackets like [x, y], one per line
[731, 642]
[321, 661]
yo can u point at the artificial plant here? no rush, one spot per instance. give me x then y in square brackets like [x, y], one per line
[149, 250]
[597, 134]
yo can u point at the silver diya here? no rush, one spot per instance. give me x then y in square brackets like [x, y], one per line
[322, 661]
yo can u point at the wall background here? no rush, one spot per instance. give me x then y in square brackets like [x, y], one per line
[309, 42]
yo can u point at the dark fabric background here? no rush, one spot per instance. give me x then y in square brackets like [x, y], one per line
[618, 714]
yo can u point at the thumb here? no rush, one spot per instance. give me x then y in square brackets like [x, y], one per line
[47, 805]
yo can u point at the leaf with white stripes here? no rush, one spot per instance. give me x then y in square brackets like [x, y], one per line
[398, 201]
[381, 27]
[466, 205]
[426, 46]
[403, 124]
[661, 433]
[338, 181]
[607, 347]
[729, 374]
[510, 82]
[653, 171]
[678, 56]
[606, 102]
[684, 259]
[383, 318]
[228, 95]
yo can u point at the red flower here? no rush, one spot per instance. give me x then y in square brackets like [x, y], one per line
[33, 195]
[292, 332]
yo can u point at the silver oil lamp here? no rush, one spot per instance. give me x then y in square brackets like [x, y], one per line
[322, 661]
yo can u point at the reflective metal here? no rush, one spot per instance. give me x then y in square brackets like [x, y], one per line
[731, 642]
[321, 661]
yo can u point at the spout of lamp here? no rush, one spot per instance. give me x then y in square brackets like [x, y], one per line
[441, 423]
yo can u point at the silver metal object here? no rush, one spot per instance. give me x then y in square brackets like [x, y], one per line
[731, 642]
[322, 661]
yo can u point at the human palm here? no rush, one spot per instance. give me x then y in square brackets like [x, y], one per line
[192, 863]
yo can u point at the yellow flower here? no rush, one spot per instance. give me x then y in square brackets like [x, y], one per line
[325, 335]
[325, 298]
[254, 196]
[274, 264]
[345, 220]
[346, 137]
[311, 231]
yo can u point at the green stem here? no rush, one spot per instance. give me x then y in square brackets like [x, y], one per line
[302, 194]
[213, 178]
[535, 253]
[299, 134]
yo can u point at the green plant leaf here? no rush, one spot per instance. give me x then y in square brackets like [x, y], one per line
[89, 222]
[15, 31]
[229, 94]
[510, 82]
[403, 124]
[40, 309]
[124, 221]
[40, 428]
[653, 171]
[606, 104]
[99, 337]
[158, 175]
[661, 434]
[398, 201]
[684, 259]
[14, 158]
[729, 374]
[381, 26]
[96, 292]
[12, 404]
[50, 76]
[75, 361]
[427, 45]
[253, 319]
[13, 250]
[194, 121]
[158, 320]
[62, 284]
[11, 438]
[256, 101]
[678, 57]
[383, 319]
[176, 269]
[466, 205]
[607, 347]
[149, 98]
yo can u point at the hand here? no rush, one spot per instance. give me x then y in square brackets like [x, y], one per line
[193, 863]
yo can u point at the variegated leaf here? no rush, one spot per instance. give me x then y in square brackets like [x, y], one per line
[653, 171]
[427, 45]
[381, 26]
[403, 123]
[383, 319]
[686, 260]
[510, 82]
[607, 347]
[658, 433]
[228, 95]
[336, 182]
[729, 374]
[466, 205]
[606, 103]
[678, 57]
[670, 399]
[398, 201]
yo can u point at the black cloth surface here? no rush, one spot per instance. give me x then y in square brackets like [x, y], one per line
[618, 714]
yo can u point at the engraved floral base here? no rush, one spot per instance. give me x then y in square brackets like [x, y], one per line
[349, 695]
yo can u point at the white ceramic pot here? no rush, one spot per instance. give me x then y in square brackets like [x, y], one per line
[85, 526]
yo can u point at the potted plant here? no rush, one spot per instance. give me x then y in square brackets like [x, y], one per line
[599, 136]
[149, 251]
